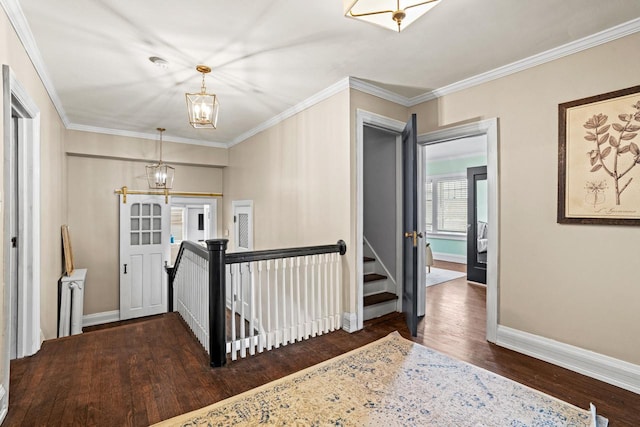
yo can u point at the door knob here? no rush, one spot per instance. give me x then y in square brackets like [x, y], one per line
[414, 235]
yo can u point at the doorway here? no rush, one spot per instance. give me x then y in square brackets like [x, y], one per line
[487, 129]
[477, 224]
[21, 247]
[193, 219]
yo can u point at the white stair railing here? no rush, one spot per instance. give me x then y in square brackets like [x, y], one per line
[248, 302]
[190, 292]
[275, 302]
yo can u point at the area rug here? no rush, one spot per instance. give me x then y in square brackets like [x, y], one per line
[439, 275]
[390, 382]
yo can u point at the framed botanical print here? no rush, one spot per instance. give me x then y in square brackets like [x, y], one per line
[599, 159]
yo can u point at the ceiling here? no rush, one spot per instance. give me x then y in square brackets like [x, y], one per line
[268, 56]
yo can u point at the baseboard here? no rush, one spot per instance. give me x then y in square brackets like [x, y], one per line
[460, 259]
[595, 365]
[100, 318]
[349, 322]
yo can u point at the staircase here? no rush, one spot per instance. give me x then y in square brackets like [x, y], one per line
[379, 290]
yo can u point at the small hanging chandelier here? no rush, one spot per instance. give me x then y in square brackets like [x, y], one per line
[160, 175]
[203, 107]
[403, 12]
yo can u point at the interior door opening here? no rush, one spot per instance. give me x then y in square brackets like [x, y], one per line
[448, 227]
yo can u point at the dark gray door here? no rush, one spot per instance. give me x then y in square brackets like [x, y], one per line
[410, 225]
[477, 224]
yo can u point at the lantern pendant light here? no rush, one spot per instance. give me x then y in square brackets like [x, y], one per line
[160, 175]
[203, 107]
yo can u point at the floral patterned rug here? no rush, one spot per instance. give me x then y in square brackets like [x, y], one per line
[391, 382]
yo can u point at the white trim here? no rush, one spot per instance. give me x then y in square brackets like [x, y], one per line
[21, 26]
[595, 365]
[14, 94]
[371, 89]
[570, 48]
[235, 204]
[441, 256]
[5, 403]
[370, 119]
[100, 318]
[488, 127]
[307, 103]
[350, 322]
[143, 135]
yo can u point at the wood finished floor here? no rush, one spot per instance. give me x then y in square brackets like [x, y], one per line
[141, 372]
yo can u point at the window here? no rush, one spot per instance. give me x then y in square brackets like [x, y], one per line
[446, 204]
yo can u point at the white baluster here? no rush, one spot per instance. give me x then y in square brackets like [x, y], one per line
[307, 285]
[234, 293]
[276, 325]
[261, 338]
[299, 320]
[292, 322]
[242, 301]
[269, 324]
[283, 303]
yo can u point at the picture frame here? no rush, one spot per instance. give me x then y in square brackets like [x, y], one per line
[599, 159]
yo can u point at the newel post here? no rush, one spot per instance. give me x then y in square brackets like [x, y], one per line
[217, 302]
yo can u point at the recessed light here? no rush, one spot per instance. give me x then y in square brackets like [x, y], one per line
[159, 62]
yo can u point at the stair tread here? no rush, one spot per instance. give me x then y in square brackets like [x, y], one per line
[368, 259]
[373, 277]
[379, 298]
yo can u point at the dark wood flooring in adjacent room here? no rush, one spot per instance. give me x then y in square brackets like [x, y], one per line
[141, 372]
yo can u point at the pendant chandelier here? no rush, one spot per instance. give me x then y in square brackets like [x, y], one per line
[401, 12]
[160, 175]
[203, 107]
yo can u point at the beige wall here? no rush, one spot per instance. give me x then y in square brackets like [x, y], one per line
[52, 175]
[93, 206]
[296, 173]
[122, 147]
[577, 284]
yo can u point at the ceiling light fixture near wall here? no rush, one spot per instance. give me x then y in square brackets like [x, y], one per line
[160, 175]
[203, 107]
[391, 14]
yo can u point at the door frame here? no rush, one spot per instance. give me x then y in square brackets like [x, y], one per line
[355, 321]
[16, 98]
[242, 204]
[488, 128]
[187, 202]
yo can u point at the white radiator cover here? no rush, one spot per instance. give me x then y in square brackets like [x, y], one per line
[71, 303]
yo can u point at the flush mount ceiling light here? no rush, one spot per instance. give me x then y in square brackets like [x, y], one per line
[203, 107]
[391, 14]
[160, 175]
[159, 62]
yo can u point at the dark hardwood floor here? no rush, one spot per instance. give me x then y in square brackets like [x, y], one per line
[141, 372]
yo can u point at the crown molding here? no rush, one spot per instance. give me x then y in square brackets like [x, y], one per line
[584, 43]
[143, 135]
[22, 29]
[371, 89]
[309, 102]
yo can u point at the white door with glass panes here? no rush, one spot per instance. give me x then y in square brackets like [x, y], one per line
[145, 223]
